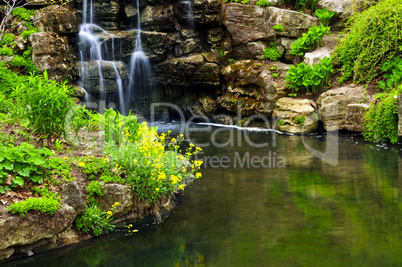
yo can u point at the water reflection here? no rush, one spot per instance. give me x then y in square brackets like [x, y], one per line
[307, 213]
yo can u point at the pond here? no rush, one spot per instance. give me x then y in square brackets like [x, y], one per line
[265, 199]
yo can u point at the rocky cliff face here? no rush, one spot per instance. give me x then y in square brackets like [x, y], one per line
[189, 45]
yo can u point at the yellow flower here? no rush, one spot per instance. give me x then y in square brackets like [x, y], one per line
[81, 164]
[198, 175]
[65, 158]
[181, 187]
[157, 189]
[115, 204]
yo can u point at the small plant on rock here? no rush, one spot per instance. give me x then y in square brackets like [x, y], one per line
[262, 3]
[272, 53]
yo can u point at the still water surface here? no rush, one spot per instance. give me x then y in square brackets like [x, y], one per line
[294, 210]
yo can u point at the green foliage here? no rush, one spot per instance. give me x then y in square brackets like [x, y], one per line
[26, 63]
[381, 118]
[6, 51]
[278, 28]
[371, 38]
[46, 103]
[299, 120]
[23, 13]
[275, 75]
[8, 39]
[272, 53]
[95, 220]
[245, 1]
[301, 4]
[117, 125]
[392, 72]
[231, 60]
[262, 3]
[281, 122]
[312, 39]
[23, 163]
[94, 189]
[324, 15]
[27, 53]
[303, 77]
[43, 205]
[26, 34]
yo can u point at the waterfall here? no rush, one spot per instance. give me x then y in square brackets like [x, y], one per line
[98, 62]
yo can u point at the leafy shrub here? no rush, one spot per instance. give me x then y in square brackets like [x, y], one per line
[43, 205]
[26, 63]
[26, 34]
[23, 13]
[371, 38]
[95, 220]
[6, 51]
[312, 39]
[262, 3]
[9, 79]
[272, 53]
[94, 189]
[8, 39]
[303, 77]
[324, 15]
[278, 28]
[25, 163]
[381, 118]
[392, 72]
[46, 103]
[116, 125]
[245, 1]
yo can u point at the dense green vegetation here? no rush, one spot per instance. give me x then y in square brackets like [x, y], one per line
[371, 38]
[36, 108]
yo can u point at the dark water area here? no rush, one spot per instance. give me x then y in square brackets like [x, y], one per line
[266, 200]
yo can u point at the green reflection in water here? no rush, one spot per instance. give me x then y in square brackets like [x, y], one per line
[307, 214]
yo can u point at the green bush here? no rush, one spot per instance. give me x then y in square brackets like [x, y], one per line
[23, 13]
[262, 3]
[272, 53]
[27, 63]
[381, 118]
[94, 189]
[299, 120]
[24, 163]
[324, 15]
[312, 39]
[43, 205]
[7, 51]
[392, 72]
[95, 220]
[46, 103]
[371, 38]
[303, 77]
[8, 39]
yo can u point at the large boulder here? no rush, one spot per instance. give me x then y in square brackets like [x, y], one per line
[194, 70]
[247, 23]
[113, 193]
[198, 12]
[355, 117]
[295, 115]
[58, 19]
[107, 14]
[52, 52]
[333, 105]
[251, 87]
[17, 231]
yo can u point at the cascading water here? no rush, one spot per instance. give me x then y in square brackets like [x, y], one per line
[100, 75]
